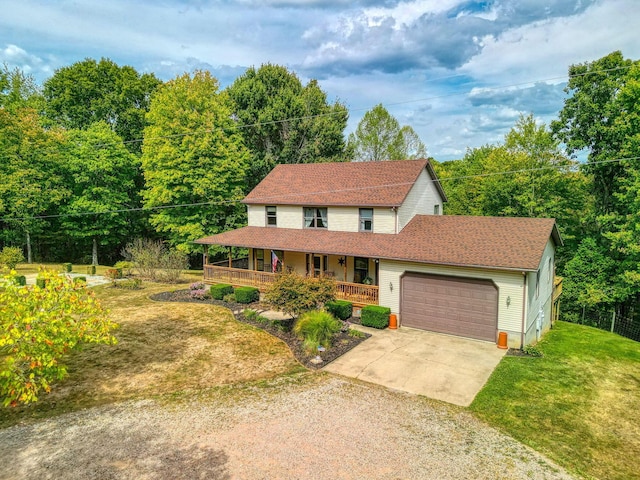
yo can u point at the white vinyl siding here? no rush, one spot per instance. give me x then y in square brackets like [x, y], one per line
[509, 285]
[343, 219]
[420, 201]
[542, 301]
[347, 219]
[255, 215]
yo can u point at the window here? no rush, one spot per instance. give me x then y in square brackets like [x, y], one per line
[537, 283]
[315, 217]
[366, 219]
[550, 269]
[436, 209]
[360, 269]
[271, 216]
[259, 254]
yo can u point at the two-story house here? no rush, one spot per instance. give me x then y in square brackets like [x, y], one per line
[378, 229]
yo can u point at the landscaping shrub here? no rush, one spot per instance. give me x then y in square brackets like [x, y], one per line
[247, 294]
[41, 282]
[91, 270]
[316, 328]
[153, 260]
[11, 256]
[295, 294]
[229, 298]
[20, 280]
[199, 294]
[112, 274]
[220, 290]
[375, 316]
[80, 279]
[67, 267]
[341, 309]
[129, 284]
[125, 266]
[197, 286]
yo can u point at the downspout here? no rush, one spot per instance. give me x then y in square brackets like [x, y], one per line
[395, 211]
[524, 308]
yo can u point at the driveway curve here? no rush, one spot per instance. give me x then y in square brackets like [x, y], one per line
[307, 426]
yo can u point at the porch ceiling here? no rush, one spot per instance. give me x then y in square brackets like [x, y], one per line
[499, 243]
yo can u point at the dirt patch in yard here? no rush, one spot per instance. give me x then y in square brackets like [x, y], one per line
[341, 344]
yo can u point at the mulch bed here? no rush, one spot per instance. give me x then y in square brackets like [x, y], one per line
[341, 344]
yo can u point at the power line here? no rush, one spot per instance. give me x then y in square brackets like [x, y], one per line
[320, 192]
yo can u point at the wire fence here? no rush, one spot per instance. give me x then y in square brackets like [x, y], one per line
[627, 326]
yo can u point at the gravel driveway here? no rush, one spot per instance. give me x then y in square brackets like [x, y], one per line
[311, 426]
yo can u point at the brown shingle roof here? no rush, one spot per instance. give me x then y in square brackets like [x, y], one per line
[375, 184]
[486, 242]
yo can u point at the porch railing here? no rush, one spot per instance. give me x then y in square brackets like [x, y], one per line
[354, 292]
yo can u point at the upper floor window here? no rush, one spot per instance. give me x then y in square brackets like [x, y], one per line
[436, 209]
[271, 216]
[537, 283]
[366, 219]
[315, 217]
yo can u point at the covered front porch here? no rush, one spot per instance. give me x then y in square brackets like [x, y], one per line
[356, 277]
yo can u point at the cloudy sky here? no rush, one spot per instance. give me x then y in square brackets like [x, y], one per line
[458, 71]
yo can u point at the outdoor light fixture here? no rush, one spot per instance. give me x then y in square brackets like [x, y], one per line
[508, 301]
[391, 286]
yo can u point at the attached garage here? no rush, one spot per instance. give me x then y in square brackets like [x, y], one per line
[467, 307]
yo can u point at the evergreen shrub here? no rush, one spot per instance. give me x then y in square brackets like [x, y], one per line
[219, 290]
[247, 294]
[341, 309]
[375, 316]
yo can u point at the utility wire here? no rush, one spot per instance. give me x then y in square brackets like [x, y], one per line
[235, 201]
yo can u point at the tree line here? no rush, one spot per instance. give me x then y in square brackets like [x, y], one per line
[100, 154]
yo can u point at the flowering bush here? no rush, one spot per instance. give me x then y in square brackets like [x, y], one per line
[199, 294]
[196, 286]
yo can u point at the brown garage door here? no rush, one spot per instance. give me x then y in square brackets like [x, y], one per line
[466, 307]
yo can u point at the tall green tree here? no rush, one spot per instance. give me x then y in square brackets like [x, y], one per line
[526, 176]
[283, 121]
[31, 171]
[379, 136]
[89, 91]
[602, 117]
[194, 160]
[18, 90]
[589, 120]
[99, 172]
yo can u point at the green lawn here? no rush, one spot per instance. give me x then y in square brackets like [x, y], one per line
[578, 404]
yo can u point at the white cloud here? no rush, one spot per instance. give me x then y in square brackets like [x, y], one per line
[15, 56]
[545, 49]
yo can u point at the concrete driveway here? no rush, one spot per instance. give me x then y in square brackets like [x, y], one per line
[443, 367]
